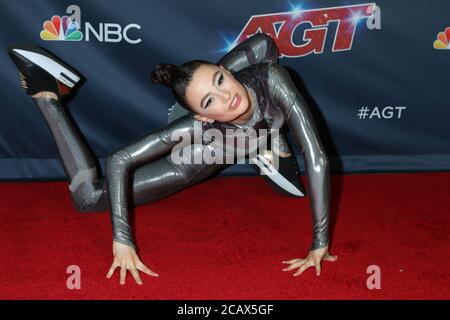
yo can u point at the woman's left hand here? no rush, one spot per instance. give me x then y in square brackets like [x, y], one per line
[313, 259]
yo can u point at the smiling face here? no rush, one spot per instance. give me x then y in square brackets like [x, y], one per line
[215, 94]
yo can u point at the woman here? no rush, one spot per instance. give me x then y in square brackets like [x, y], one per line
[260, 95]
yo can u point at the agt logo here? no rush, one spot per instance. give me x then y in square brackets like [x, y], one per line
[443, 39]
[311, 26]
[67, 28]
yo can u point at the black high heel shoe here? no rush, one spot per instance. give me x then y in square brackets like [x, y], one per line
[42, 71]
[287, 168]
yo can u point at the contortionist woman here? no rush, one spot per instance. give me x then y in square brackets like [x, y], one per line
[246, 90]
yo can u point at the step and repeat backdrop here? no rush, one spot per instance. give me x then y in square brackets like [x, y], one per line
[375, 74]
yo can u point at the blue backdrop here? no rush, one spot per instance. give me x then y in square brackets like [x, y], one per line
[378, 86]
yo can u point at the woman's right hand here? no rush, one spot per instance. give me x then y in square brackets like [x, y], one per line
[126, 258]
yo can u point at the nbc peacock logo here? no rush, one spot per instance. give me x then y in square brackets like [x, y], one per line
[61, 29]
[443, 39]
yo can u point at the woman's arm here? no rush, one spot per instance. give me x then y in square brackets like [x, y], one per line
[301, 123]
[119, 164]
[259, 48]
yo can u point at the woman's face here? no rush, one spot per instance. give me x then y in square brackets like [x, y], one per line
[215, 94]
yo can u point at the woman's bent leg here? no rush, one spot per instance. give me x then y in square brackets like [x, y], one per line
[78, 161]
[163, 178]
[150, 182]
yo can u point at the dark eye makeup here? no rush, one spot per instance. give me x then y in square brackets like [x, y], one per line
[219, 82]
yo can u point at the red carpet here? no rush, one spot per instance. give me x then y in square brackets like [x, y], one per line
[225, 239]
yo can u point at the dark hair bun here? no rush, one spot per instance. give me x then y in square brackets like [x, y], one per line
[164, 73]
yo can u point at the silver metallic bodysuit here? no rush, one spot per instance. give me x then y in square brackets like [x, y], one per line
[143, 171]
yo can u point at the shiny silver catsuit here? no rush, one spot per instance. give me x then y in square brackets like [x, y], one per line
[143, 171]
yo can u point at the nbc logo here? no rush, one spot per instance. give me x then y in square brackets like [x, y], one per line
[70, 28]
[443, 39]
[61, 29]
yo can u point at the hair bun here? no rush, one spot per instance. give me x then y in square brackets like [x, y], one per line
[164, 74]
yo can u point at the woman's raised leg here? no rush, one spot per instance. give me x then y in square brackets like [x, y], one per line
[47, 79]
